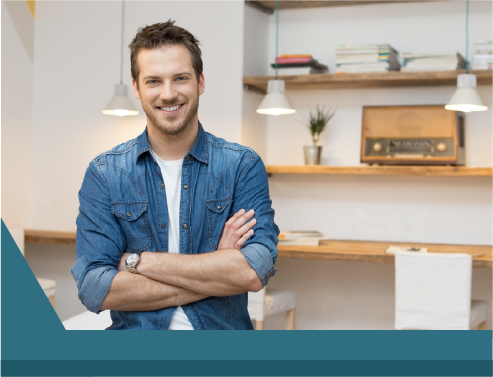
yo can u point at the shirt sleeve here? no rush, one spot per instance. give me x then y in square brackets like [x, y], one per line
[252, 192]
[99, 240]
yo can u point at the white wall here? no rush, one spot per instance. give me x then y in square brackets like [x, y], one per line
[255, 62]
[77, 63]
[358, 295]
[17, 83]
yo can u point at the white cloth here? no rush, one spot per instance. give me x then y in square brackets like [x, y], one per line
[171, 171]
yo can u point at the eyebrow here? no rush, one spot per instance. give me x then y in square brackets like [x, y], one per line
[158, 78]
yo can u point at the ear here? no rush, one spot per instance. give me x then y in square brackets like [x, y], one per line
[136, 90]
[201, 84]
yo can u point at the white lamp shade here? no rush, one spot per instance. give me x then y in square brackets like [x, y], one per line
[120, 104]
[466, 98]
[275, 102]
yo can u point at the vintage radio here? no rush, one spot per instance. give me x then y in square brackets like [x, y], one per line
[412, 135]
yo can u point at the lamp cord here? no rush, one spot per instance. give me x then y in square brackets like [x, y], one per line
[121, 57]
[277, 35]
[467, 36]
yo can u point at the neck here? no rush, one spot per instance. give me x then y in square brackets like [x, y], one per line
[173, 147]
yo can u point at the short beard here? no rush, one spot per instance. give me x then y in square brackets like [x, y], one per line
[181, 127]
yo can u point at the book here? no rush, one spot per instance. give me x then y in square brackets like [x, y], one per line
[300, 238]
[377, 47]
[293, 60]
[295, 71]
[406, 249]
[312, 63]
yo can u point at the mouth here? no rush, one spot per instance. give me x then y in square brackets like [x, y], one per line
[171, 109]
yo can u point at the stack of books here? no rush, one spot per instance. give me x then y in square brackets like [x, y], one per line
[366, 58]
[432, 62]
[300, 237]
[300, 64]
[483, 58]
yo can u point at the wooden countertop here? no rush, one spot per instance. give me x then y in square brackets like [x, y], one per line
[372, 251]
[363, 251]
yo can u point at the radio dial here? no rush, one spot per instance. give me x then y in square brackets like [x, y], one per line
[442, 147]
[377, 147]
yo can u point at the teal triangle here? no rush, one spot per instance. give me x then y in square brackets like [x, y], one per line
[27, 315]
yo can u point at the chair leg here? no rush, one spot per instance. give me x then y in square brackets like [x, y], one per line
[290, 320]
[482, 326]
[259, 325]
[52, 301]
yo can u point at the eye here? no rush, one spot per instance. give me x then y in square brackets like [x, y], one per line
[152, 81]
[182, 77]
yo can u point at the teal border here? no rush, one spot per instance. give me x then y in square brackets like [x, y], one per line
[34, 342]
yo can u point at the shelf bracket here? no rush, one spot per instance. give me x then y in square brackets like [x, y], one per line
[254, 89]
[260, 7]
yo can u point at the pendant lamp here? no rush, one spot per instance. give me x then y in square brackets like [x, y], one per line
[120, 104]
[466, 98]
[276, 102]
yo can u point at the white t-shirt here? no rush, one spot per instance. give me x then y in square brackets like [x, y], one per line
[171, 171]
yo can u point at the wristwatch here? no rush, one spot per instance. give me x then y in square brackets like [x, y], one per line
[131, 263]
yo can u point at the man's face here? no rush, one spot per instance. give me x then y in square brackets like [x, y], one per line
[168, 88]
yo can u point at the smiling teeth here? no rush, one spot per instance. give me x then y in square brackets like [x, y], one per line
[170, 108]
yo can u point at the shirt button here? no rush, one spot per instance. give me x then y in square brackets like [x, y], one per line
[163, 226]
[161, 185]
[185, 226]
[185, 186]
[129, 214]
[188, 158]
[219, 207]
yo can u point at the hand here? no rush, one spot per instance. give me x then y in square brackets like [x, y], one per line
[236, 232]
[121, 264]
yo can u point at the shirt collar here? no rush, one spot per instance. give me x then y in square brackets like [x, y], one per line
[199, 149]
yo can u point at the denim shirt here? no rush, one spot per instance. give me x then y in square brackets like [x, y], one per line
[123, 208]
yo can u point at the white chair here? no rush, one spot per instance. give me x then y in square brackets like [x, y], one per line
[88, 321]
[48, 286]
[273, 301]
[433, 292]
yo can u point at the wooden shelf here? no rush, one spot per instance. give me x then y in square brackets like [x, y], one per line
[51, 237]
[270, 6]
[369, 251]
[363, 251]
[368, 80]
[449, 171]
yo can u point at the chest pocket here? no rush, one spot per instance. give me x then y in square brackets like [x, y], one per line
[217, 215]
[134, 223]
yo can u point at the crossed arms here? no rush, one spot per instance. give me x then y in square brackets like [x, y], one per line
[165, 280]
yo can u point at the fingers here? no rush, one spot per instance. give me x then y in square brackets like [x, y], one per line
[245, 228]
[239, 244]
[243, 219]
[235, 217]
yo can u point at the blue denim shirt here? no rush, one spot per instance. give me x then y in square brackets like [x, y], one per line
[123, 208]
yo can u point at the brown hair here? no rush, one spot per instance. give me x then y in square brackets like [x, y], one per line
[163, 34]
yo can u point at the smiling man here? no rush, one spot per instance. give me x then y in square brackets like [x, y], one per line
[166, 233]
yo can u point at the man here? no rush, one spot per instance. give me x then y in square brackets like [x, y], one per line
[163, 238]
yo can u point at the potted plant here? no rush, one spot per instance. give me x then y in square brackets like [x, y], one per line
[317, 121]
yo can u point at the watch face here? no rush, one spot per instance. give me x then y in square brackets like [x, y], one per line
[132, 258]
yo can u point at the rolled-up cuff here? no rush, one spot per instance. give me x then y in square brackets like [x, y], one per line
[260, 259]
[96, 285]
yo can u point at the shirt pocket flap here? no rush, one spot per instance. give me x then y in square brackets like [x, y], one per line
[128, 211]
[218, 205]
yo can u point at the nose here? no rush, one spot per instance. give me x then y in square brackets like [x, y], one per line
[168, 93]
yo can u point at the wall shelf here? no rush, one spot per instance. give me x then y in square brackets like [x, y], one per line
[449, 171]
[368, 80]
[363, 251]
[50, 237]
[270, 6]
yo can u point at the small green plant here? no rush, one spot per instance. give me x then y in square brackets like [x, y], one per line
[317, 121]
